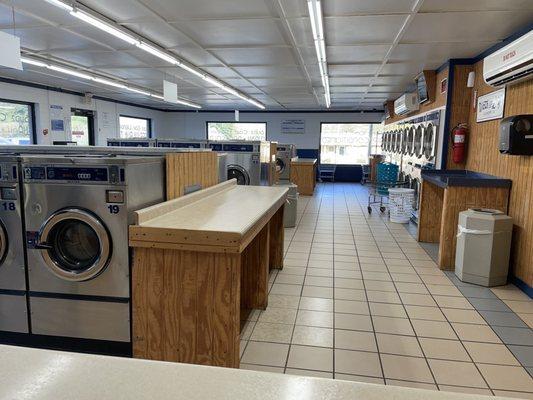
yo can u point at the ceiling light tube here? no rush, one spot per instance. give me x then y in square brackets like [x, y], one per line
[60, 4]
[104, 26]
[313, 19]
[215, 82]
[191, 70]
[319, 20]
[143, 92]
[156, 52]
[68, 71]
[31, 61]
[109, 82]
[157, 96]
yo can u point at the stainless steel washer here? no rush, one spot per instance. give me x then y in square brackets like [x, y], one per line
[77, 214]
[248, 162]
[284, 155]
[13, 302]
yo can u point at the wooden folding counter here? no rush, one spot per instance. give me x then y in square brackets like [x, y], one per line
[200, 263]
[303, 174]
[444, 194]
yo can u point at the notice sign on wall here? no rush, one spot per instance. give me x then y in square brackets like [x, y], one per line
[293, 126]
[491, 106]
[57, 123]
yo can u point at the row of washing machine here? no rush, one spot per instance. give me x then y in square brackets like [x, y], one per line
[248, 161]
[414, 144]
[65, 262]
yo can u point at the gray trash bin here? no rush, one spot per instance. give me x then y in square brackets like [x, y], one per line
[483, 247]
[289, 216]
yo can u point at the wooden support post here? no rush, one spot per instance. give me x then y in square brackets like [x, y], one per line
[277, 236]
[254, 272]
[430, 212]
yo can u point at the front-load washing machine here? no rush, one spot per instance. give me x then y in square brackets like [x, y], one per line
[248, 161]
[13, 301]
[77, 212]
[182, 143]
[284, 155]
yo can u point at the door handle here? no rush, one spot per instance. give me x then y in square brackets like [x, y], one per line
[43, 246]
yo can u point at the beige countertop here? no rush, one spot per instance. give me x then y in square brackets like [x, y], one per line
[227, 209]
[304, 161]
[51, 375]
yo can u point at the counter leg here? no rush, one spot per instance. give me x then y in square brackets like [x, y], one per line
[254, 272]
[277, 237]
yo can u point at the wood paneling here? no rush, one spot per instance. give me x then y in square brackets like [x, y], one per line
[189, 169]
[304, 176]
[457, 199]
[459, 108]
[483, 156]
[430, 212]
[174, 319]
[440, 101]
[254, 271]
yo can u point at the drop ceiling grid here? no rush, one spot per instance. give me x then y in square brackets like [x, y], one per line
[243, 42]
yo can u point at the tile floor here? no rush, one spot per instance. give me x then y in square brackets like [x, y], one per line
[359, 299]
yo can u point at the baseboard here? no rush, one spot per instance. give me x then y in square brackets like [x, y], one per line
[520, 284]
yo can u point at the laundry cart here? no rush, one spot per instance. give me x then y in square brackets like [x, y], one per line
[378, 191]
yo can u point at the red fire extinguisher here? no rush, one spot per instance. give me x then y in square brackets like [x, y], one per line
[459, 134]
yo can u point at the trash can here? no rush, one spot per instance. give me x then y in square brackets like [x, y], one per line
[401, 204]
[483, 247]
[289, 215]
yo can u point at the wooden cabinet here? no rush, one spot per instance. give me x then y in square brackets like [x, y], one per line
[303, 174]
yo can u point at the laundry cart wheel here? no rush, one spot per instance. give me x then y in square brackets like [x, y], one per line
[382, 209]
[369, 210]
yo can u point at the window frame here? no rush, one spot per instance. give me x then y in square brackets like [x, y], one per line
[33, 123]
[148, 120]
[235, 122]
[345, 123]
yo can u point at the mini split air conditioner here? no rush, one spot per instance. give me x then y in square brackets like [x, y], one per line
[510, 64]
[406, 103]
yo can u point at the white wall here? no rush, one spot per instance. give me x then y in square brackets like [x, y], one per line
[193, 124]
[106, 112]
[167, 124]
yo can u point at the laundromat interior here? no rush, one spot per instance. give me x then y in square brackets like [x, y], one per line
[266, 199]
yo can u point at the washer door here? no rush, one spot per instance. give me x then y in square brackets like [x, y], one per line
[415, 184]
[3, 243]
[239, 173]
[280, 164]
[403, 148]
[75, 245]
[429, 142]
[410, 141]
[418, 142]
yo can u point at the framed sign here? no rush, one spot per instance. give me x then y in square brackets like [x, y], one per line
[293, 126]
[491, 106]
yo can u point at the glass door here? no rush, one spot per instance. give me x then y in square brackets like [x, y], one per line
[82, 127]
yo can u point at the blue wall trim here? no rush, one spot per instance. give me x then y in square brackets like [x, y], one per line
[520, 284]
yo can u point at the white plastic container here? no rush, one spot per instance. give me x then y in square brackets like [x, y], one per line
[401, 202]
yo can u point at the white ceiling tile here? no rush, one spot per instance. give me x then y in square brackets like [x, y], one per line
[355, 54]
[475, 5]
[355, 80]
[362, 30]
[256, 56]
[352, 69]
[430, 54]
[234, 33]
[343, 7]
[465, 27]
[287, 72]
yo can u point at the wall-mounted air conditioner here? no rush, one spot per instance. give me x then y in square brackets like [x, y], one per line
[511, 63]
[406, 103]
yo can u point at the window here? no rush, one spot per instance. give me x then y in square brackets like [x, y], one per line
[15, 123]
[236, 131]
[131, 127]
[345, 143]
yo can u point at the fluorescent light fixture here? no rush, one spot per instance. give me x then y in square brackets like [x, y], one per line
[31, 61]
[68, 71]
[156, 52]
[317, 26]
[108, 82]
[98, 23]
[191, 70]
[157, 96]
[144, 92]
[188, 103]
[215, 82]
[60, 4]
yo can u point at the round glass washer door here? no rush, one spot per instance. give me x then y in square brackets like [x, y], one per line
[429, 145]
[239, 173]
[75, 245]
[280, 164]
[418, 142]
[3, 243]
[410, 141]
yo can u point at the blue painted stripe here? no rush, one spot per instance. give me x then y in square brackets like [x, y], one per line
[524, 287]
